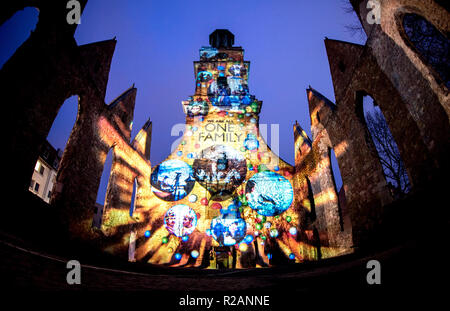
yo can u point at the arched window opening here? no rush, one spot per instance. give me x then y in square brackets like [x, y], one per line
[337, 179]
[386, 148]
[430, 43]
[312, 214]
[50, 153]
[101, 193]
[133, 197]
[15, 31]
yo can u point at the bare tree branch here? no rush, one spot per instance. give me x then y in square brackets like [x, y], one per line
[387, 152]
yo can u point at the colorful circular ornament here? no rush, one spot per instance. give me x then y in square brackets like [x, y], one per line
[180, 220]
[192, 198]
[293, 230]
[274, 233]
[195, 254]
[269, 193]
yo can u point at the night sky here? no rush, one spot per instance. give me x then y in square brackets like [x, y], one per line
[157, 42]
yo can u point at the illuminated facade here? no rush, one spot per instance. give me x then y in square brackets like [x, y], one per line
[212, 202]
[223, 195]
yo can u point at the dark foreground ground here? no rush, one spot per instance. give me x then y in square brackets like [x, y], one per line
[413, 268]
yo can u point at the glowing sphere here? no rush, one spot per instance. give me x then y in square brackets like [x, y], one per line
[180, 220]
[220, 169]
[243, 247]
[261, 218]
[147, 234]
[172, 180]
[195, 254]
[251, 142]
[204, 201]
[269, 256]
[170, 250]
[228, 230]
[267, 225]
[192, 198]
[293, 230]
[269, 193]
[164, 240]
[248, 239]
[185, 238]
[259, 226]
[177, 256]
[288, 218]
[216, 206]
[291, 256]
[274, 233]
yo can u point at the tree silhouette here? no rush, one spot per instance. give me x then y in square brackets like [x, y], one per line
[388, 153]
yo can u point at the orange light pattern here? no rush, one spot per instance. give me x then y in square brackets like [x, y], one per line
[220, 116]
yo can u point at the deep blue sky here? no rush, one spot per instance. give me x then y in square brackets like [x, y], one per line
[157, 41]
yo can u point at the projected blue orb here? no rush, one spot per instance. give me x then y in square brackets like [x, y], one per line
[248, 239]
[251, 142]
[228, 230]
[195, 254]
[147, 234]
[293, 230]
[269, 193]
[177, 256]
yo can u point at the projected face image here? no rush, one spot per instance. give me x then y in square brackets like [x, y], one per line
[228, 231]
[172, 180]
[220, 169]
[269, 193]
[180, 220]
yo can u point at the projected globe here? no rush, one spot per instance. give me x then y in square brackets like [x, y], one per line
[228, 229]
[269, 193]
[172, 180]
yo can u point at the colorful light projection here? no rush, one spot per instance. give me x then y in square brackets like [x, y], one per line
[180, 220]
[220, 169]
[228, 229]
[172, 180]
[269, 193]
[230, 189]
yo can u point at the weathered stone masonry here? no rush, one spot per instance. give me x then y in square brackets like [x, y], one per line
[50, 67]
